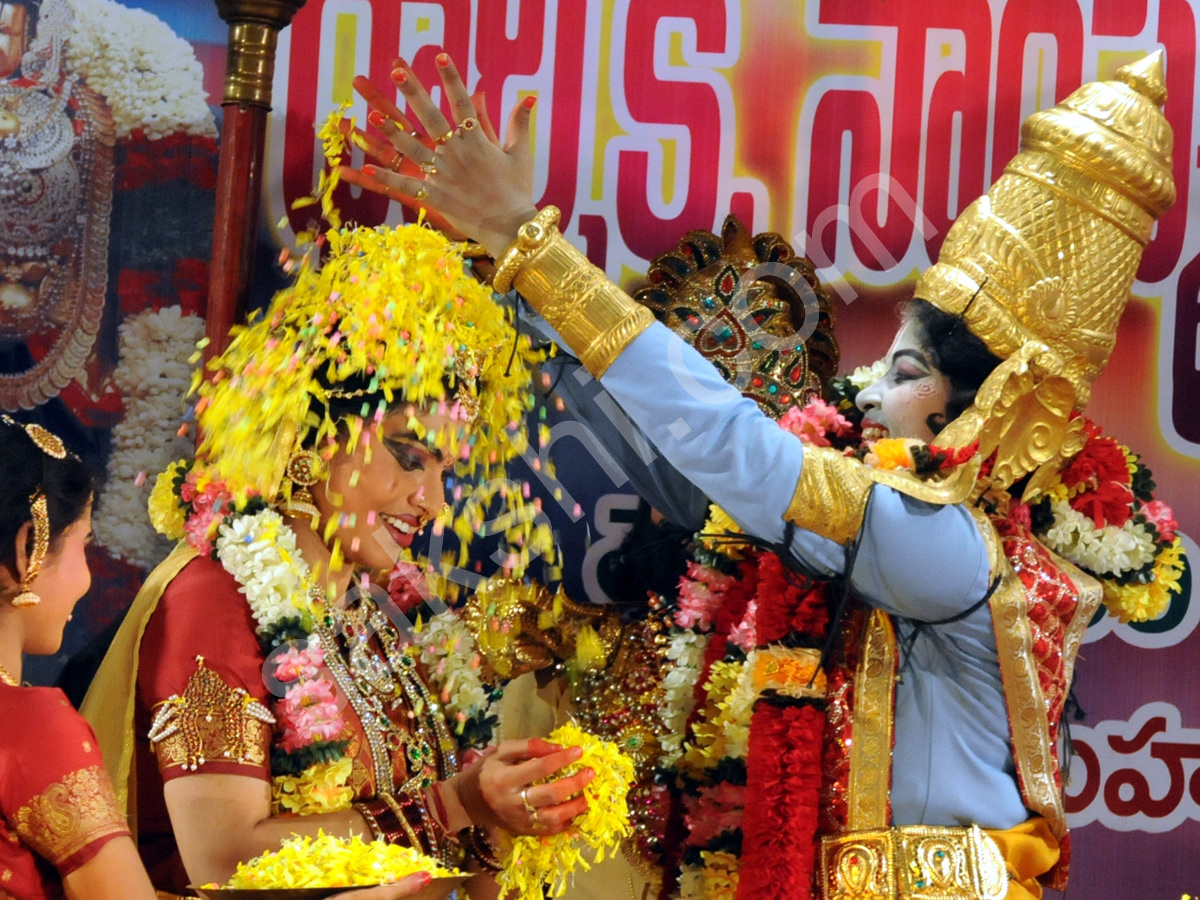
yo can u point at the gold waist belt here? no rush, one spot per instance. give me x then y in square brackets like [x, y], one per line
[912, 862]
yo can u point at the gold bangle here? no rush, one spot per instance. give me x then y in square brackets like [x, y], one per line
[530, 236]
[596, 319]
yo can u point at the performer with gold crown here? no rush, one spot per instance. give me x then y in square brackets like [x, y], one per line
[263, 685]
[976, 529]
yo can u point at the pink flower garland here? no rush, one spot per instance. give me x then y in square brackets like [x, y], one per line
[815, 421]
[310, 709]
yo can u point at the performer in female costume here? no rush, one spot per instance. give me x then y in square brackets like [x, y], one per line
[941, 763]
[247, 686]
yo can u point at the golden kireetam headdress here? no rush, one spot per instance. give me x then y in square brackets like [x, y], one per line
[1041, 266]
[753, 331]
[389, 316]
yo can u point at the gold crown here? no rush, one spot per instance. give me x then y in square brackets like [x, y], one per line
[1051, 250]
[754, 333]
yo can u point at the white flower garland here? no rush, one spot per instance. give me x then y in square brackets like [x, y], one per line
[148, 74]
[450, 657]
[153, 375]
[740, 706]
[1104, 551]
[685, 653]
[259, 551]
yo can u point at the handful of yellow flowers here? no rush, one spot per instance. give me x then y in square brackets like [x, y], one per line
[536, 861]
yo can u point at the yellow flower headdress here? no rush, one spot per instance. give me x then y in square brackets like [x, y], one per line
[391, 316]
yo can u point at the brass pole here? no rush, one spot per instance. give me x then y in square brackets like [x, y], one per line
[254, 27]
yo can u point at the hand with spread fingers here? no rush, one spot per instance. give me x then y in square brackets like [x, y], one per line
[458, 171]
[499, 790]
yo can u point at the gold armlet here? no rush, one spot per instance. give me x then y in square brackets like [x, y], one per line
[211, 722]
[596, 318]
[831, 495]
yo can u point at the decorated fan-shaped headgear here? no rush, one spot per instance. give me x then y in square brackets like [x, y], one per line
[752, 308]
[1041, 266]
[391, 316]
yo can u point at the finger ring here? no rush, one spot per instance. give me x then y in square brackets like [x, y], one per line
[422, 194]
[429, 168]
[441, 139]
[529, 807]
[469, 124]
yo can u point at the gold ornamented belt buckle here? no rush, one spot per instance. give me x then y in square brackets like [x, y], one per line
[915, 862]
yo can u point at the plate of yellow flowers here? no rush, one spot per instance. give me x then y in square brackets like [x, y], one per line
[313, 868]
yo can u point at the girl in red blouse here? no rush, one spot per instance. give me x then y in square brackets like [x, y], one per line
[61, 830]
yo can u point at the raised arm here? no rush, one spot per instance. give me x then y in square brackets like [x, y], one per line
[654, 479]
[717, 439]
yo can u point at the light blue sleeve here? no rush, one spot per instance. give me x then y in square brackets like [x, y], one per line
[915, 559]
[653, 478]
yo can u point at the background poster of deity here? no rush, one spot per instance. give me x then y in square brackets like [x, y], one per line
[857, 129]
[107, 172]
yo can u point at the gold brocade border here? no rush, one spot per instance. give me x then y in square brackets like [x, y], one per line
[70, 814]
[1032, 751]
[1091, 593]
[867, 800]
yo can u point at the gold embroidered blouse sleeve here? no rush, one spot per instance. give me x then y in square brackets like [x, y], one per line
[596, 318]
[69, 815]
[210, 722]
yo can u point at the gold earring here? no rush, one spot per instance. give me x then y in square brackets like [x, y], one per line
[303, 471]
[41, 544]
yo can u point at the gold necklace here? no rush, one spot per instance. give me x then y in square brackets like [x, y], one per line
[7, 678]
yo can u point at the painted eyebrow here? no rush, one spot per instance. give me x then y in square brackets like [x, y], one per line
[912, 354]
[412, 440]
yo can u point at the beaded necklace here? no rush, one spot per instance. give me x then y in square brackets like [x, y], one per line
[379, 678]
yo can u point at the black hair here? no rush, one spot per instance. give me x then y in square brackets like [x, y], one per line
[651, 559]
[68, 484]
[356, 396]
[956, 352]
